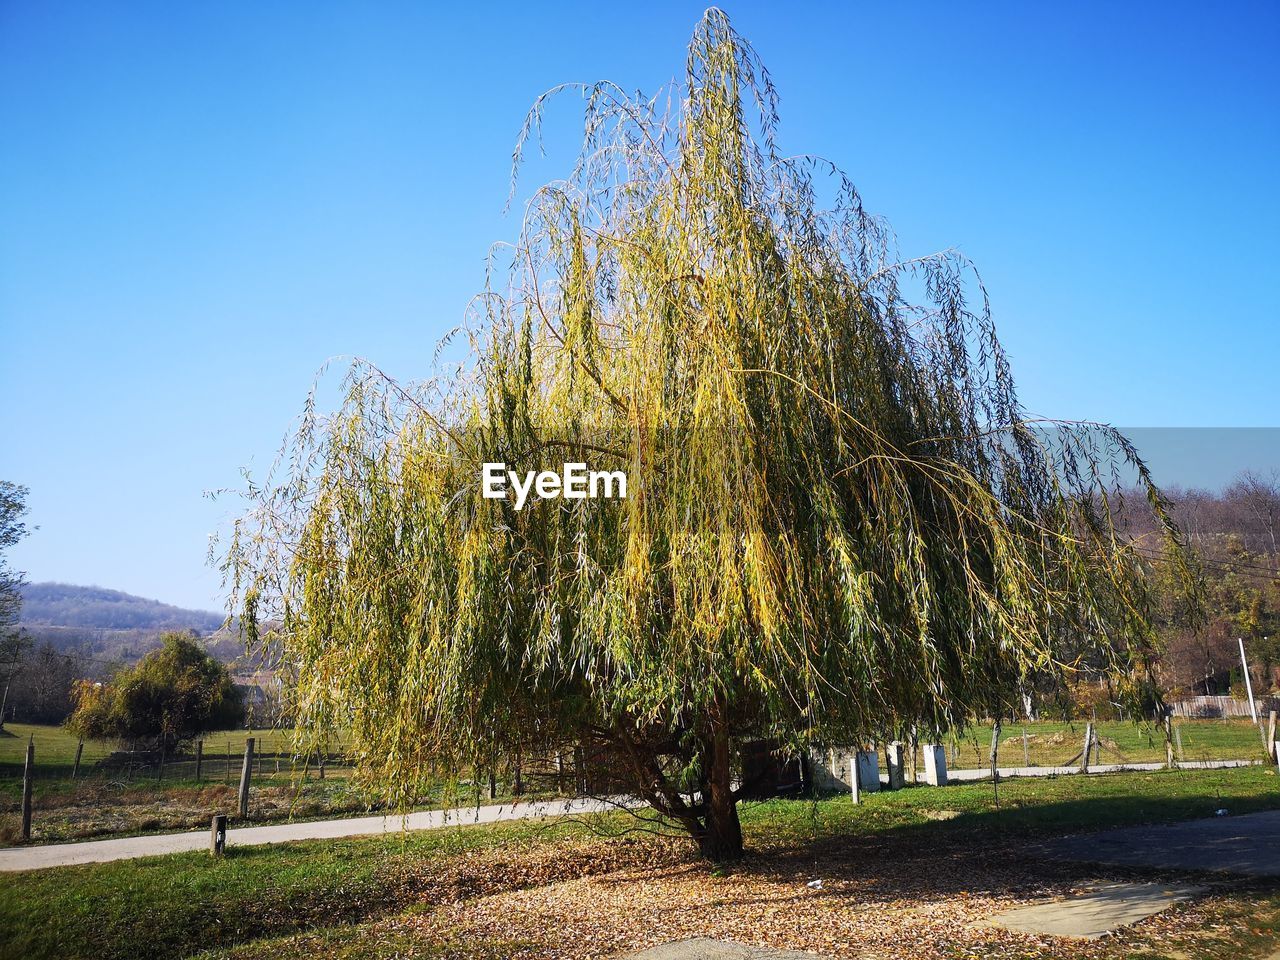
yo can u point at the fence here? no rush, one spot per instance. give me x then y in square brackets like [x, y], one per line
[1208, 707]
[215, 758]
[87, 789]
[72, 790]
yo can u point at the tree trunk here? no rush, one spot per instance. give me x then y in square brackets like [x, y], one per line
[721, 837]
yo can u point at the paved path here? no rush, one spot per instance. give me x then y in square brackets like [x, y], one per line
[984, 773]
[1247, 845]
[126, 848]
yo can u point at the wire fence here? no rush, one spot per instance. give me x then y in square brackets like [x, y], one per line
[215, 757]
[77, 789]
[80, 789]
[1050, 744]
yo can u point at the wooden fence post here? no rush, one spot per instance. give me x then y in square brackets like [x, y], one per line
[1169, 760]
[1088, 745]
[1026, 749]
[579, 769]
[218, 835]
[1177, 742]
[75, 771]
[246, 772]
[1271, 734]
[199, 757]
[28, 774]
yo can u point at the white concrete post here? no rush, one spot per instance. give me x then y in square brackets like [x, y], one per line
[1248, 684]
[868, 771]
[894, 761]
[935, 765]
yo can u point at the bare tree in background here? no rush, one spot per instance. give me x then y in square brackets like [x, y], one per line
[1260, 495]
[14, 644]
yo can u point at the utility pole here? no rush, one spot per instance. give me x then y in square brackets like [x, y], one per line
[1248, 684]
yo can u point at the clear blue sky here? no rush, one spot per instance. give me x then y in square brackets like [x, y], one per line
[200, 203]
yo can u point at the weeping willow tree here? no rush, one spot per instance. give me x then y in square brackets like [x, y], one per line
[838, 518]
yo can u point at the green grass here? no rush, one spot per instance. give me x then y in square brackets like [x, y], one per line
[1041, 806]
[54, 746]
[177, 905]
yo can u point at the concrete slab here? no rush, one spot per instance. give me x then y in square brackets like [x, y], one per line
[715, 950]
[1091, 915]
[1247, 845]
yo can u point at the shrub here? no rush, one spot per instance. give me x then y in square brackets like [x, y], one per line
[171, 695]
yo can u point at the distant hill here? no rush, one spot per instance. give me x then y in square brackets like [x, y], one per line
[110, 626]
[66, 605]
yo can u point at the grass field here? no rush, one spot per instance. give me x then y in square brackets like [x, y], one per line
[1055, 743]
[1049, 743]
[54, 746]
[366, 898]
